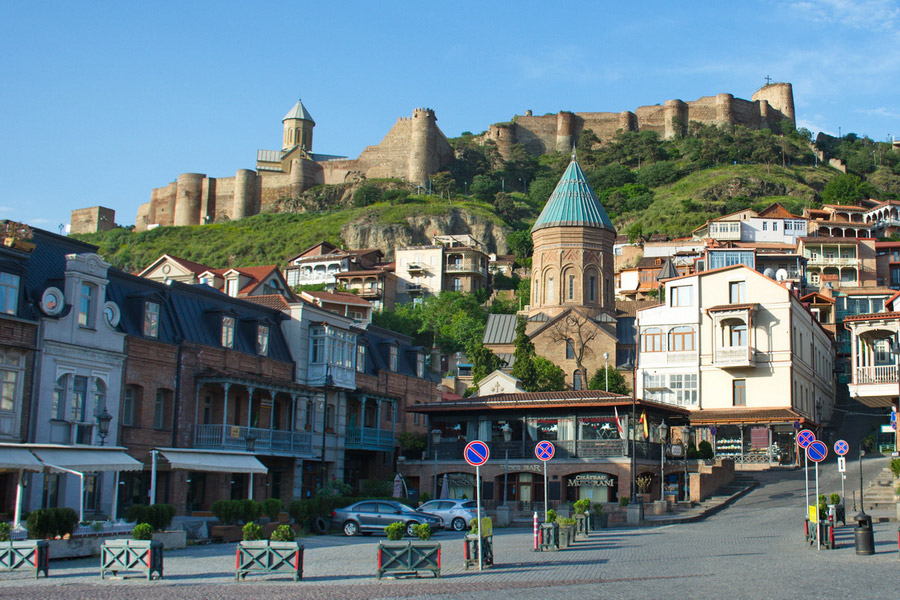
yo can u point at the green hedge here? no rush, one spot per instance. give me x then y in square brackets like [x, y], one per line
[158, 516]
[46, 523]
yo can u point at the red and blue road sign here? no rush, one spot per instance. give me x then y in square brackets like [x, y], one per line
[476, 453]
[544, 450]
[805, 438]
[817, 451]
[841, 447]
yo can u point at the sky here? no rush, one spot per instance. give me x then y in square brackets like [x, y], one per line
[102, 101]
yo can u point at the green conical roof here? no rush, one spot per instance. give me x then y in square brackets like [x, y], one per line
[573, 203]
[299, 112]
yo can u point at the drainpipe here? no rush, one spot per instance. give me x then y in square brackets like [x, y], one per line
[178, 366]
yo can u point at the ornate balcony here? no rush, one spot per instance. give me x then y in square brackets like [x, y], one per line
[369, 438]
[267, 441]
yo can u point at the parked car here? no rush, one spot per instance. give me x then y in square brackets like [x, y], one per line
[458, 513]
[369, 516]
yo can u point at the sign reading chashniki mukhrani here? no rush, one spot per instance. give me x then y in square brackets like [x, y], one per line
[592, 480]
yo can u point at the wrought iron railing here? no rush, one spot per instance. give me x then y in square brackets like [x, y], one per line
[235, 437]
[369, 438]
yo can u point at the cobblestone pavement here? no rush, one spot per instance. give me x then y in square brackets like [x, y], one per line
[752, 549]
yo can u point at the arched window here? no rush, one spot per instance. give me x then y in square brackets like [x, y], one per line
[681, 339]
[576, 380]
[550, 289]
[652, 340]
[570, 348]
[99, 396]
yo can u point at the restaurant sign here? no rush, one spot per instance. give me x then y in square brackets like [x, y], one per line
[591, 480]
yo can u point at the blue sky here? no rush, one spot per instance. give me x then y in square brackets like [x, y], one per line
[103, 101]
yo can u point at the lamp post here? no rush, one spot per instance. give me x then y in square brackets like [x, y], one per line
[103, 421]
[686, 438]
[606, 369]
[435, 440]
[663, 436]
[507, 436]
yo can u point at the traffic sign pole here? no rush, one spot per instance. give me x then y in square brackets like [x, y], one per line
[478, 514]
[544, 452]
[476, 454]
[818, 516]
[804, 439]
[816, 451]
[545, 491]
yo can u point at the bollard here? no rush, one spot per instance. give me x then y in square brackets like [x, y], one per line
[535, 531]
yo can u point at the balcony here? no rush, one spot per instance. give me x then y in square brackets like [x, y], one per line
[414, 289]
[869, 375]
[415, 268]
[833, 261]
[733, 356]
[466, 267]
[725, 231]
[681, 358]
[268, 441]
[370, 292]
[369, 438]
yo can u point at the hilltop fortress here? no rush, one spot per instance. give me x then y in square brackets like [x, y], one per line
[414, 149]
[559, 132]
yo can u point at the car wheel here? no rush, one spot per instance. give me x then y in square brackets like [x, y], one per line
[351, 528]
[411, 528]
[458, 524]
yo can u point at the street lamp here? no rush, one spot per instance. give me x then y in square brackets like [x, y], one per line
[686, 439]
[606, 369]
[507, 436]
[103, 421]
[663, 436]
[435, 440]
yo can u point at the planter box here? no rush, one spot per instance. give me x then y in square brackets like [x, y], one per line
[470, 550]
[26, 554]
[566, 535]
[226, 533]
[132, 555]
[78, 547]
[549, 537]
[267, 556]
[410, 558]
[599, 520]
[582, 525]
[172, 540]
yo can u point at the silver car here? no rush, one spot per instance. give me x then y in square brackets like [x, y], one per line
[370, 516]
[458, 513]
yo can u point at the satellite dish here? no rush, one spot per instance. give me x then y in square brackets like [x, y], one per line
[781, 275]
[770, 273]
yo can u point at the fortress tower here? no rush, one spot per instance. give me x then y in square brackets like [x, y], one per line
[423, 137]
[779, 96]
[298, 128]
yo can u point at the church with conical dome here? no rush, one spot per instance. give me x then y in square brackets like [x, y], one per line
[571, 318]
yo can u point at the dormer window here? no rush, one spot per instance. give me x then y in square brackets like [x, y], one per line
[228, 332]
[394, 359]
[420, 365]
[86, 305]
[231, 287]
[262, 340]
[9, 293]
[151, 319]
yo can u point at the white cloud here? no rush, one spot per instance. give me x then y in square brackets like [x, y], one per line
[879, 112]
[872, 15]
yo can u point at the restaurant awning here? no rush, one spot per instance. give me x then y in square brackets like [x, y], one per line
[16, 457]
[86, 459]
[211, 460]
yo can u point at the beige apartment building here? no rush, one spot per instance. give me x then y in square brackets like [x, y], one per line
[456, 263]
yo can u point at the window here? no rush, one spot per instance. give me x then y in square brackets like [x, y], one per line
[571, 287]
[151, 319]
[360, 359]
[159, 410]
[86, 305]
[765, 225]
[592, 288]
[682, 295]
[550, 289]
[9, 293]
[653, 340]
[737, 292]
[207, 410]
[329, 417]
[682, 339]
[262, 340]
[128, 402]
[58, 411]
[395, 359]
[231, 287]
[570, 348]
[739, 392]
[99, 396]
[8, 387]
[317, 352]
[654, 386]
[737, 335]
[79, 396]
[228, 332]
[685, 389]
[576, 380]
[420, 365]
[457, 284]
[308, 423]
[774, 225]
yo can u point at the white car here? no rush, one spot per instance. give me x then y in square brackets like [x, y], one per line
[457, 513]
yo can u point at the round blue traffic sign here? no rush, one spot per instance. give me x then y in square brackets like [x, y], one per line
[817, 451]
[476, 453]
[805, 438]
[841, 447]
[544, 450]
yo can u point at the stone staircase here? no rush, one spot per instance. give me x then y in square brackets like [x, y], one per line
[741, 484]
[879, 494]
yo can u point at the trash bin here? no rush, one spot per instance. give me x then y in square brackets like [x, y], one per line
[863, 536]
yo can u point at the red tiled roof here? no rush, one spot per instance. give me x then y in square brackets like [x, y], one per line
[746, 415]
[884, 316]
[270, 301]
[751, 305]
[532, 400]
[340, 297]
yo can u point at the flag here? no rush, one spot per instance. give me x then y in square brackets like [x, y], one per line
[619, 424]
[643, 420]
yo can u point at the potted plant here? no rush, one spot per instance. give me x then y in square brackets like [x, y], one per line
[142, 553]
[159, 517]
[600, 516]
[399, 558]
[582, 516]
[566, 531]
[280, 552]
[836, 508]
[644, 482]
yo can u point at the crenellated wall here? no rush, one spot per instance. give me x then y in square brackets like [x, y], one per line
[769, 106]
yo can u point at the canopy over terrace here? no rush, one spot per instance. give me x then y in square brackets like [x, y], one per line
[76, 460]
[211, 461]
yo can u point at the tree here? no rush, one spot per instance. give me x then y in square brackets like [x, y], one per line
[617, 383]
[442, 183]
[845, 189]
[483, 188]
[484, 362]
[521, 244]
[453, 319]
[578, 331]
[537, 374]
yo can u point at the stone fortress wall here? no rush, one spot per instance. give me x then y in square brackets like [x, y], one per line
[559, 132]
[415, 148]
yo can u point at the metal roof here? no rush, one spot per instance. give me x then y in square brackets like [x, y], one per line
[573, 203]
[299, 112]
[500, 329]
[268, 155]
